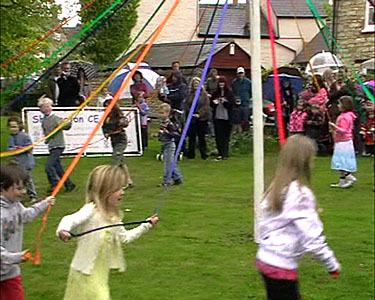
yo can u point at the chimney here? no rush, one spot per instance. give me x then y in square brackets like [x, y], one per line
[235, 2]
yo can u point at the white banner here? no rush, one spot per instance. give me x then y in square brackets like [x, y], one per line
[82, 125]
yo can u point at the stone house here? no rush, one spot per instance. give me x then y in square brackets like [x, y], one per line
[182, 25]
[354, 28]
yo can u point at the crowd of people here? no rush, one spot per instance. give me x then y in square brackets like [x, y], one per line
[317, 105]
[222, 109]
[326, 111]
[66, 90]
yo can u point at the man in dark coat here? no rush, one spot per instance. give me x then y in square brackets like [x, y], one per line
[68, 88]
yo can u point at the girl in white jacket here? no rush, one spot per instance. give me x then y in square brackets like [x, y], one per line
[98, 251]
[290, 225]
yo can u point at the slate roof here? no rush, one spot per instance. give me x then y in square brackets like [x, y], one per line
[161, 55]
[316, 45]
[284, 8]
[235, 22]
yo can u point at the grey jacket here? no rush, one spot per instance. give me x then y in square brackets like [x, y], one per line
[13, 216]
[22, 139]
[49, 123]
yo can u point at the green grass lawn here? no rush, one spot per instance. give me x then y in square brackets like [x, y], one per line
[203, 246]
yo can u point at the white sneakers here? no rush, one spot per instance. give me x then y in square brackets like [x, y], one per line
[345, 183]
[350, 178]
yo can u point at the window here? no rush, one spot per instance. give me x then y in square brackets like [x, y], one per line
[369, 17]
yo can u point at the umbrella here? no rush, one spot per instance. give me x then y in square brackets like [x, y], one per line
[88, 68]
[323, 61]
[369, 64]
[269, 90]
[149, 77]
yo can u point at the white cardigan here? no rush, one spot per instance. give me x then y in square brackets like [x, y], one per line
[88, 247]
[287, 236]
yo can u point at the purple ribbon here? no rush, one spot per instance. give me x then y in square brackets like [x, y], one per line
[196, 97]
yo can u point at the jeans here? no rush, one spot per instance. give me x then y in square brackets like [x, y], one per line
[169, 149]
[53, 167]
[30, 187]
[278, 289]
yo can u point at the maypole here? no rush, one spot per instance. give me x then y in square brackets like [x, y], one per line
[256, 81]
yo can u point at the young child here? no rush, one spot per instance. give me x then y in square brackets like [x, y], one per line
[100, 251]
[114, 128]
[368, 132]
[236, 117]
[297, 119]
[140, 102]
[162, 88]
[290, 225]
[19, 139]
[56, 145]
[167, 135]
[313, 123]
[344, 159]
[13, 216]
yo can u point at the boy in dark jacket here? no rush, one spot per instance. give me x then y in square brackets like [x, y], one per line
[167, 134]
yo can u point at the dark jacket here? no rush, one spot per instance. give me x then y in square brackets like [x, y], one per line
[112, 127]
[68, 91]
[168, 131]
[177, 92]
[313, 124]
[228, 104]
[242, 90]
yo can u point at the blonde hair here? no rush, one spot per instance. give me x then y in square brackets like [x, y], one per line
[165, 107]
[44, 100]
[196, 78]
[328, 76]
[102, 182]
[295, 163]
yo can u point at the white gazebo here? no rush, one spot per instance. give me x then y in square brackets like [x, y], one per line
[323, 61]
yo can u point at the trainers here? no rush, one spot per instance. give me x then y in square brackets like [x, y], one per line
[341, 185]
[178, 182]
[70, 188]
[350, 178]
[164, 184]
[219, 158]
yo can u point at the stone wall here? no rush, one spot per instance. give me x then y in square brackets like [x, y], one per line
[350, 22]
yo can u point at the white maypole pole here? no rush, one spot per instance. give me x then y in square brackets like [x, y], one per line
[256, 79]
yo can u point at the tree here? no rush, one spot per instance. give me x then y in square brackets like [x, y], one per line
[22, 23]
[112, 38]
